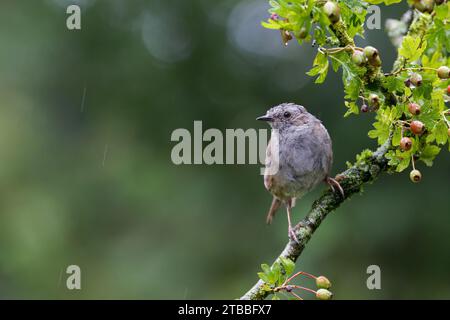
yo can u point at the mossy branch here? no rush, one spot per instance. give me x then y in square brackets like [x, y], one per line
[352, 180]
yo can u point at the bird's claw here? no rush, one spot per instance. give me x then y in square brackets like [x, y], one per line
[293, 235]
[334, 184]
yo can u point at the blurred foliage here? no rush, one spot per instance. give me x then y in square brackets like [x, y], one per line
[86, 175]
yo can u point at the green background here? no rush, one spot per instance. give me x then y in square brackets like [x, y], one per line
[86, 176]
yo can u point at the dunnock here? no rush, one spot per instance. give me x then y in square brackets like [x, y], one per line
[304, 157]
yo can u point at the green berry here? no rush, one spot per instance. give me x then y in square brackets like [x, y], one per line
[303, 33]
[358, 58]
[425, 6]
[332, 10]
[443, 72]
[371, 52]
[416, 79]
[415, 176]
[323, 294]
[323, 283]
[406, 144]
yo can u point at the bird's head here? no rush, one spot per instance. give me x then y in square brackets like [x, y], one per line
[286, 115]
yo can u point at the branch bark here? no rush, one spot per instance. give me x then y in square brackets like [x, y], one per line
[352, 180]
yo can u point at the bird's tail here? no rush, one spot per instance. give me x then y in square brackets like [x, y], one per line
[273, 209]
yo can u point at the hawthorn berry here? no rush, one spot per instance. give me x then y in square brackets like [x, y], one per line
[443, 72]
[416, 79]
[448, 89]
[406, 144]
[303, 33]
[358, 58]
[285, 36]
[333, 11]
[323, 294]
[374, 100]
[408, 82]
[323, 283]
[364, 108]
[448, 132]
[424, 5]
[414, 108]
[274, 16]
[417, 127]
[371, 52]
[415, 176]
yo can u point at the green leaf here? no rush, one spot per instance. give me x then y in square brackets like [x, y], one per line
[265, 268]
[428, 154]
[412, 48]
[441, 132]
[385, 117]
[288, 265]
[320, 67]
[393, 84]
[275, 297]
[397, 136]
[264, 277]
[352, 108]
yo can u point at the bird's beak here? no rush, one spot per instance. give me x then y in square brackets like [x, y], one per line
[265, 118]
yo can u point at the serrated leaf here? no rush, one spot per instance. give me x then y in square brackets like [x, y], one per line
[288, 265]
[428, 154]
[441, 132]
[320, 67]
[412, 48]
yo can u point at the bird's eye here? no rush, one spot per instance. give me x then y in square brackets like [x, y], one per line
[287, 114]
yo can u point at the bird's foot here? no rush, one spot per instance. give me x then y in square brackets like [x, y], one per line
[293, 235]
[334, 184]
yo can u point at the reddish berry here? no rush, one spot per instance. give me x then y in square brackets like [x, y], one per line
[448, 90]
[274, 16]
[417, 127]
[414, 108]
[285, 36]
[416, 79]
[448, 132]
[364, 108]
[332, 10]
[408, 82]
[406, 144]
[443, 72]
[415, 176]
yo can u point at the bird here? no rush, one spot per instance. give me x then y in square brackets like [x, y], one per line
[299, 156]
